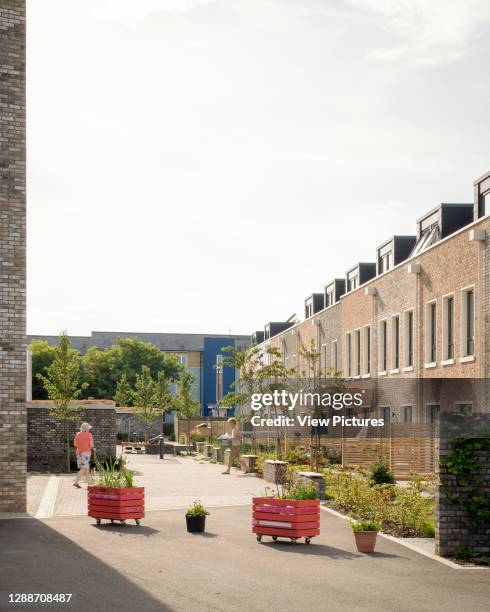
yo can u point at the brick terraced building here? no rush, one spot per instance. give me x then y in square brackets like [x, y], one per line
[420, 310]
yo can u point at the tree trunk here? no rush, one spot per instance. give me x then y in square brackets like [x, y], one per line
[67, 434]
[188, 435]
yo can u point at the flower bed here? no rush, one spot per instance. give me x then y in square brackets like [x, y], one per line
[402, 511]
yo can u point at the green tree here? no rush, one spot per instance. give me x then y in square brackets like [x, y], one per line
[186, 406]
[124, 393]
[62, 385]
[100, 373]
[102, 369]
[144, 399]
[162, 398]
[42, 357]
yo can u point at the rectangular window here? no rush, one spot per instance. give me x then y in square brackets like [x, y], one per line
[348, 355]
[357, 353]
[385, 414]
[329, 298]
[407, 414]
[408, 339]
[384, 262]
[335, 360]
[395, 342]
[448, 328]
[468, 323]
[183, 359]
[383, 345]
[430, 333]
[432, 413]
[367, 350]
[463, 407]
[353, 280]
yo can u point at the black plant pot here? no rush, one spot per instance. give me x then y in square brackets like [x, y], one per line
[195, 524]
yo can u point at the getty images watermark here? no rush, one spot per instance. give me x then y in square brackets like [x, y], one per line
[286, 400]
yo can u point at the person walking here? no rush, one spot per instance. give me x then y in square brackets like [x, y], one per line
[235, 444]
[84, 443]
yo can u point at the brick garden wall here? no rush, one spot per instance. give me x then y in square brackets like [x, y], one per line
[12, 257]
[451, 528]
[128, 424]
[46, 435]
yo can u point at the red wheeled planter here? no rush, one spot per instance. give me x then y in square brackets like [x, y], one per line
[286, 518]
[116, 504]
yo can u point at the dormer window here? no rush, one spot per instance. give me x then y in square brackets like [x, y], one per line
[309, 309]
[329, 298]
[429, 237]
[353, 280]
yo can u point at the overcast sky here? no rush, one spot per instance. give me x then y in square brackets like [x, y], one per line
[202, 166]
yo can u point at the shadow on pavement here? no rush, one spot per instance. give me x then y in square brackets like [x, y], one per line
[143, 530]
[206, 534]
[38, 559]
[320, 550]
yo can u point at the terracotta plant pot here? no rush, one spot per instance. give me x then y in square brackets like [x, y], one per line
[195, 524]
[116, 504]
[365, 541]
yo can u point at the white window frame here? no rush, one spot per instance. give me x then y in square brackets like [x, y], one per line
[356, 353]
[348, 355]
[407, 366]
[429, 362]
[402, 411]
[395, 367]
[184, 359]
[383, 347]
[381, 413]
[367, 351]
[335, 356]
[428, 412]
[465, 355]
[447, 359]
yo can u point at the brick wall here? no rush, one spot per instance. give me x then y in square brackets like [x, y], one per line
[46, 435]
[128, 424]
[451, 528]
[12, 257]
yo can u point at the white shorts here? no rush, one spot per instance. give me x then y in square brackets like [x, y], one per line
[83, 460]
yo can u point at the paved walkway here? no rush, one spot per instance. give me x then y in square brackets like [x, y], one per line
[171, 483]
[159, 566]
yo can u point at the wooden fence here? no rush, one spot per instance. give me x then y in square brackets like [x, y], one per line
[406, 447]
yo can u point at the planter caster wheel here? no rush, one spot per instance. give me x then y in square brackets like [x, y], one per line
[259, 538]
[112, 521]
[98, 521]
[137, 521]
[307, 540]
[294, 540]
[123, 522]
[274, 538]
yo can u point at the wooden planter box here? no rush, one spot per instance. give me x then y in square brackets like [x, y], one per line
[116, 504]
[286, 518]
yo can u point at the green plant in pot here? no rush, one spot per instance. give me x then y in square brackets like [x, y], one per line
[196, 518]
[365, 533]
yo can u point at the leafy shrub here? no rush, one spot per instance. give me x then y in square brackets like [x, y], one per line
[402, 511]
[295, 456]
[197, 509]
[380, 473]
[462, 552]
[365, 525]
[302, 490]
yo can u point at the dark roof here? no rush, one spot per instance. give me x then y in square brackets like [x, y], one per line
[165, 342]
